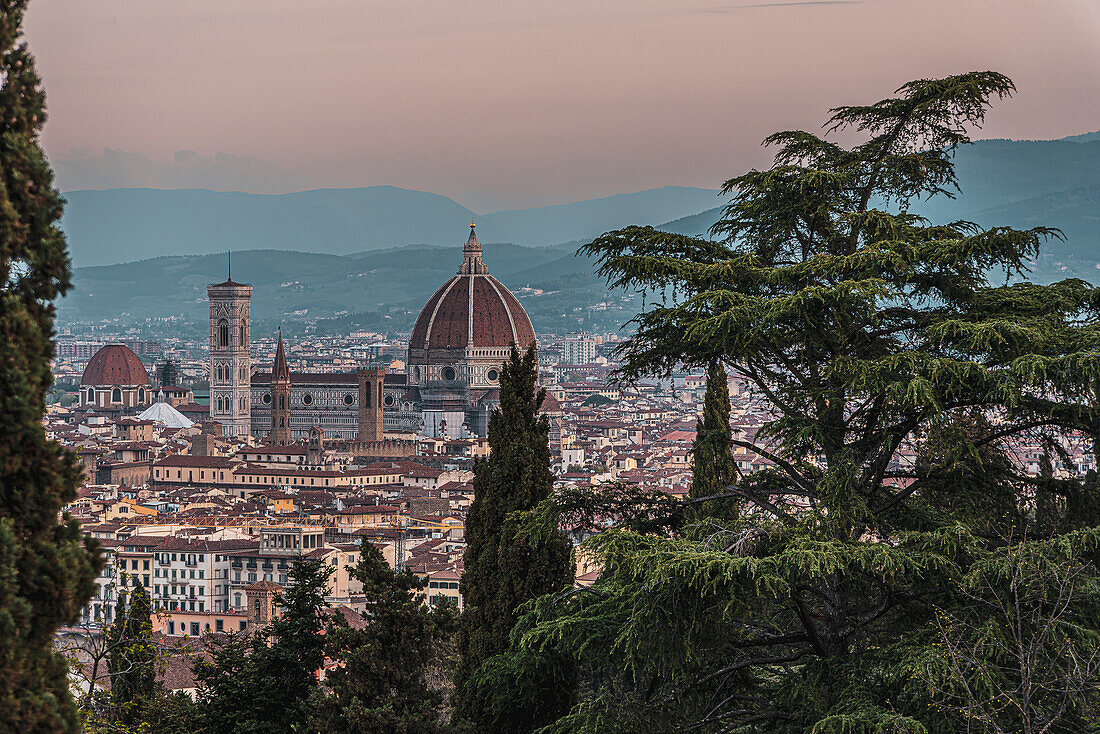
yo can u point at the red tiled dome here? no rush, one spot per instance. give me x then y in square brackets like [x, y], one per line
[472, 309]
[114, 364]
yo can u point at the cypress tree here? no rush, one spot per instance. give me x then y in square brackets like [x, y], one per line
[379, 684]
[504, 569]
[713, 468]
[46, 569]
[132, 659]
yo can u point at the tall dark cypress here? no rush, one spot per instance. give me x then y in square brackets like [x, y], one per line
[713, 467]
[46, 570]
[504, 569]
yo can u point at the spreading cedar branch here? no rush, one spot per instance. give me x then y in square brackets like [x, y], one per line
[898, 359]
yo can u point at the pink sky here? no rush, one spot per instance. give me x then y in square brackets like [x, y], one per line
[512, 103]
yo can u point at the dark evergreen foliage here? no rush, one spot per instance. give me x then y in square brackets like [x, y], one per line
[380, 675]
[168, 374]
[506, 568]
[46, 569]
[713, 468]
[266, 680]
[132, 659]
[862, 583]
[171, 713]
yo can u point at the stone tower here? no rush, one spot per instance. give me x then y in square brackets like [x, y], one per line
[371, 380]
[230, 356]
[315, 447]
[261, 603]
[280, 398]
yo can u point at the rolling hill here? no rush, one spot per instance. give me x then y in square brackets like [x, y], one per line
[352, 257]
[122, 225]
[382, 289]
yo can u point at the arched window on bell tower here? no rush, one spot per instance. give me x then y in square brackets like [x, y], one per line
[223, 333]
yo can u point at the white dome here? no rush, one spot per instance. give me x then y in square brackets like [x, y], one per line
[166, 415]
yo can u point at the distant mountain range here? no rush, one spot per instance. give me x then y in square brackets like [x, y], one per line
[371, 257]
[382, 290]
[120, 225]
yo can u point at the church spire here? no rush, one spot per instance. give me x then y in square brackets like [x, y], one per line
[280, 371]
[471, 255]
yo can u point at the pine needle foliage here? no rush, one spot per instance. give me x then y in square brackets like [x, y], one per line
[898, 359]
[46, 569]
[505, 568]
[133, 658]
[265, 680]
[379, 679]
[713, 468]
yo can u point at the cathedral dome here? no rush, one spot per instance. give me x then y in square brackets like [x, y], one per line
[471, 310]
[114, 364]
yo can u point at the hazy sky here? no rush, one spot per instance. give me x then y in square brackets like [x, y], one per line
[506, 103]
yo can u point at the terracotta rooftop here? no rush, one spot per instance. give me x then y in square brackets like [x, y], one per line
[114, 364]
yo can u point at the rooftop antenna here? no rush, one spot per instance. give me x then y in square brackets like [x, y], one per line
[229, 259]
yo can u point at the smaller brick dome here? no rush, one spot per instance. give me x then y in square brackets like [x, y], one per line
[114, 364]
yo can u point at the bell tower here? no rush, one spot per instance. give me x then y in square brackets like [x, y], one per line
[231, 356]
[280, 398]
[371, 383]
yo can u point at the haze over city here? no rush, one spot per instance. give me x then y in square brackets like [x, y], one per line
[503, 104]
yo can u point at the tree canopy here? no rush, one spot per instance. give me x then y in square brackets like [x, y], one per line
[46, 569]
[265, 680]
[713, 468]
[899, 361]
[379, 682]
[506, 568]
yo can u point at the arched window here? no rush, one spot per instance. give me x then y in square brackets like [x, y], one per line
[242, 342]
[282, 422]
[223, 333]
[91, 396]
[141, 394]
[237, 601]
[116, 395]
[282, 402]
